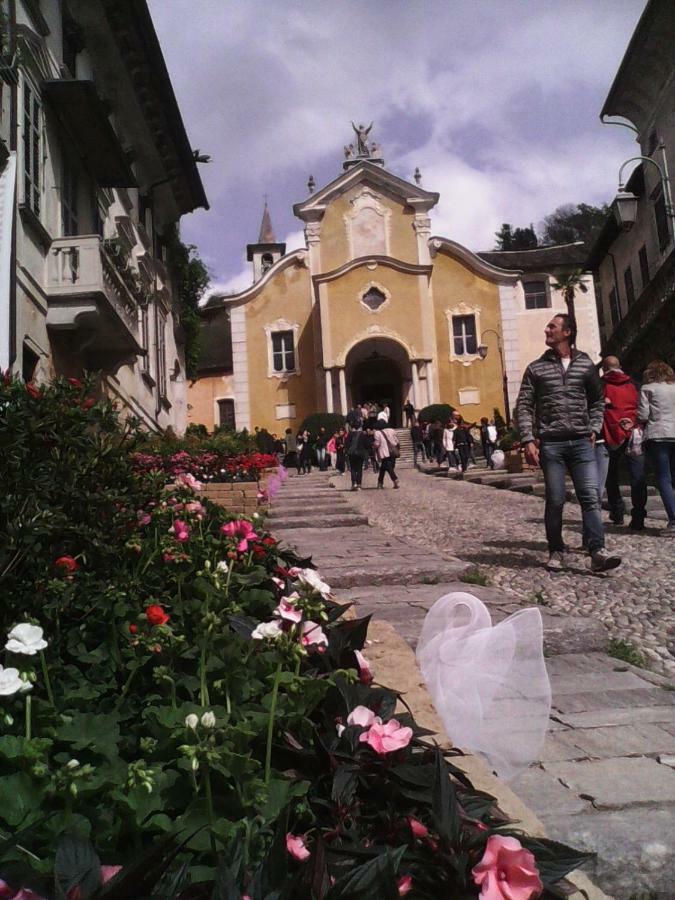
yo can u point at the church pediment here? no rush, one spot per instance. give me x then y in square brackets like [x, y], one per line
[373, 178]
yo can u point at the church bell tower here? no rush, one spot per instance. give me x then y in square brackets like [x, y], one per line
[267, 250]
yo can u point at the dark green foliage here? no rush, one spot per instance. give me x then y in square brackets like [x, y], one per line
[437, 412]
[509, 440]
[332, 422]
[499, 421]
[569, 223]
[510, 238]
[192, 280]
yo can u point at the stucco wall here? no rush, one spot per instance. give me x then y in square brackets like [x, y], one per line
[458, 289]
[203, 396]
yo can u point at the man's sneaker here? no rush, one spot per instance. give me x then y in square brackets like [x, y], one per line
[636, 525]
[616, 520]
[556, 561]
[602, 561]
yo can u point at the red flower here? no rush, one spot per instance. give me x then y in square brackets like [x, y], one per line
[88, 403]
[133, 628]
[33, 391]
[66, 564]
[156, 615]
[269, 541]
[75, 382]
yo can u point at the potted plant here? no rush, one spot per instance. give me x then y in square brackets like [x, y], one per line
[510, 444]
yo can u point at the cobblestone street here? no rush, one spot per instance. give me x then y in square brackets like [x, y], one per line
[502, 533]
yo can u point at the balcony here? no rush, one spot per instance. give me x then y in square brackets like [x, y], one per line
[645, 332]
[90, 303]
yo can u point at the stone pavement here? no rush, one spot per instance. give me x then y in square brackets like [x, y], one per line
[605, 781]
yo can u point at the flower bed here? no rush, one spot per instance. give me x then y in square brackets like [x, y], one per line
[184, 701]
[207, 466]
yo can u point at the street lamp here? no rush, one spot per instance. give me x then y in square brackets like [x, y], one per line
[483, 352]
[625, 204]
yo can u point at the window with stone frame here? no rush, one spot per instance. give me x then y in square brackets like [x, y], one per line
[373, 298]
[283, 351]
[661, 218]
[536, 295]
[644, 266]
[464, 335]
[226, 415]
[32, 148]
[628, 284]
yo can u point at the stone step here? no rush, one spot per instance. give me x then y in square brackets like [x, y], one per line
[310, 520]
[339, 508]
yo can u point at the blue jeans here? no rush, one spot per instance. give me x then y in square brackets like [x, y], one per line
[321, 457]
[662, 458]
[608, 460]
[578, 458]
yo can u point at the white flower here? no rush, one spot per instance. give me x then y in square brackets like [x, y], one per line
[340, 729]
[209, 720]
[222, 566]
[26, 639]
[11, 683]
[191, 721]
[267, 631]
[73, 764]
[311, 579]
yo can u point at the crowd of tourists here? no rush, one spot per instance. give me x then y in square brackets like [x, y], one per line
[453, 442]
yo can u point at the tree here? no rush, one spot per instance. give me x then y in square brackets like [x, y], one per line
[570, 223]
[569, 285]
[192, 279]
[510, 238]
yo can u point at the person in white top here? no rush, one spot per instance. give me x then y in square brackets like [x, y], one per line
[449, 446]
[386, 445]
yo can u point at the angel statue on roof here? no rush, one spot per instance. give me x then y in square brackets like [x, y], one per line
[362, 138]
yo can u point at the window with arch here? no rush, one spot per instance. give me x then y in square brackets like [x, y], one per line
[373, 298]
[266, 262]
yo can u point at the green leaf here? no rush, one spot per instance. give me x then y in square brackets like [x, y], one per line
[376, 878]
[76, 865]
[88, 731]
[19, 799]
[445, 808]
[345, 782]
[554, 860]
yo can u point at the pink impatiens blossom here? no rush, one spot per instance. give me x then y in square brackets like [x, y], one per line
[362, 716]
[419, 829]
[195, 508]
[189, 481]
[181, 531]
[295, 845]
[404, 885]
[365, 672]
[313, 637]
[242, 530]
[507, 871]
[386, 738]
[287, 609]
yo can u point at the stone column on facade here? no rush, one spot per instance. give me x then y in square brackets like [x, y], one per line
[329, 390]
[431, 387]
[417, 397]
[343, 391]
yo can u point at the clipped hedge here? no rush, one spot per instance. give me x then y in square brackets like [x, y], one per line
[440, 412]
[332, 422]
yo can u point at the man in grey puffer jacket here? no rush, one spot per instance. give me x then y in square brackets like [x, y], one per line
[559, 413]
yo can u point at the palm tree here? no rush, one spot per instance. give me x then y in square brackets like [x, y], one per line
[569, 285]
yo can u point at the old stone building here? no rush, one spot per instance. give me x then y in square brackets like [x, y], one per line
[375, 307]
[635, 253]
[95, 171]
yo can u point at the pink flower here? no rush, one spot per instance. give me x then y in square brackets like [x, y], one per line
[24, 894]
[365, 672]
[404, 885]
[507, 871]
[195, 508]
[181, 531]
[362, 716]
[418, 829]
[287, 610]
[189, 481]
[241, 529]
[295, 844]
[280, 583]
[313, 637]
[144, 518]
[386, 738]
[294, 571]
[75, 893]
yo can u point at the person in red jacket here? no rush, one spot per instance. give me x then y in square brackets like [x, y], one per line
[620, 418]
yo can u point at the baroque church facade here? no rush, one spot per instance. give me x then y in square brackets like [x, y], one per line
[375, 307]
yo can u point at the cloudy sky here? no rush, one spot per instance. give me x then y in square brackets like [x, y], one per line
[497, 102]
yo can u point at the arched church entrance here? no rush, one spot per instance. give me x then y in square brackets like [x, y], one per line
[378, 371]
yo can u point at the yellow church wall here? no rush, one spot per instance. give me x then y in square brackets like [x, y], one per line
[345, 317]
[203, 397]
[335, 249]
[286, 298]
[458, 289]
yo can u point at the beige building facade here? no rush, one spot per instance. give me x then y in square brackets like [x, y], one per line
[377, 308]
[95, 173]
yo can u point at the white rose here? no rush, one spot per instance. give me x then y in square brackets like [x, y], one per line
[191, 721]
[267, 631]
[311, 579]
[26, 639]
[11, 683]
[209, 720]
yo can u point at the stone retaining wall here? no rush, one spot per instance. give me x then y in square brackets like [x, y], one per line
[240, 497]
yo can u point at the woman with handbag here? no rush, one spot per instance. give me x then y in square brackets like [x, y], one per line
[387, 451]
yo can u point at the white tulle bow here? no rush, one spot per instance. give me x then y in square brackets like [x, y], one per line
[488, 682]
